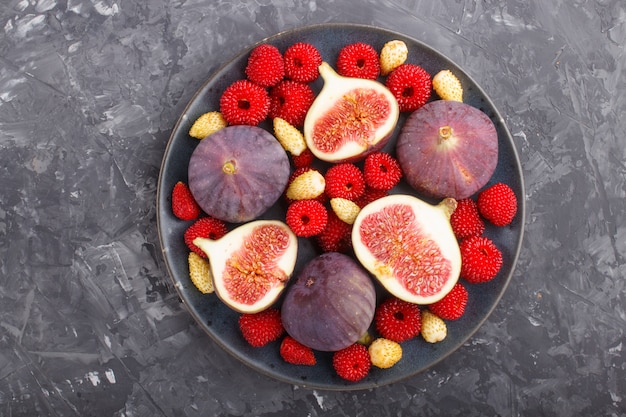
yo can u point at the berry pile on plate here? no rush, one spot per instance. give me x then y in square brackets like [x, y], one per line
[322, 200]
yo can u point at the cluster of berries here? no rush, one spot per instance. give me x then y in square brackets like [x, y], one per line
[323, 205]
[481, 259]
[185, 208]
[396, 321]
[277, 85]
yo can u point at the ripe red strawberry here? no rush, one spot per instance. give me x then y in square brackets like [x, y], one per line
[381, 171]
[452, 305]
[306, 218]
[207, 227]
[397, 320]
[480, 259]
[301, 62]
[370, 194]
[352, 363]
[296, 353]
[290, 100]
[244, 103]
[259, 329]
[265, 65]
[344, 180]
[498, 204]
[465, 220]
[358, 60]
[411, 85]
[305, 159]
[184, 206]
[336, 236]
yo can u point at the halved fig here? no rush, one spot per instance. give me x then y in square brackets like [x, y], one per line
[447, 149]
[409, 246]
[350, 117]
[251, 264]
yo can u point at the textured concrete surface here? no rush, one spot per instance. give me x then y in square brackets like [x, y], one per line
[90, 324]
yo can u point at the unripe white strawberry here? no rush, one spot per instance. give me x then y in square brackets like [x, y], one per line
[306, 186]
[291, 139]
[207, 124]
[447, 86]
[345, 209]
[433, 328]
[200, 273]
[393, 54]
[384, 353]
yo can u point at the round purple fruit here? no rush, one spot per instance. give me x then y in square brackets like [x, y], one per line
[238, 173]
[448, 149]
[331, 304]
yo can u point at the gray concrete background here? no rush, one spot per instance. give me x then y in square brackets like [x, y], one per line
[90, 324]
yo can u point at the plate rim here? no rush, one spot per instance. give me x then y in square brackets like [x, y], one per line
[521, 205]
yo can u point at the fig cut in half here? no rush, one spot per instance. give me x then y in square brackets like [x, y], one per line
[409, 246]
[447, 149]
[350, 117]
[251, 264]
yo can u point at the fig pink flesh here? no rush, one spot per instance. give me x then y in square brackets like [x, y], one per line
[393, 236]
[354, 118]
[252, 271]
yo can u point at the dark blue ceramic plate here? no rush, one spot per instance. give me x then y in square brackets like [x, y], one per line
[221, 323]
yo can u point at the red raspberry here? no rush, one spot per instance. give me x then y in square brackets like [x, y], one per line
[480, 259]
[398, 320]
[305, 159]
[498, 204]
[381, 171]
[244, 103]
[352, 363]
[290, 100]
[306, 218]
[265, 65]
[370, 194]
[207, 227]
[358, 60]
[411, 85]
[344, 180]
[336, 236]
[184, 206]
[302, 61]
[259, 329]
[452, 305]
[296, 353]
[465, 219]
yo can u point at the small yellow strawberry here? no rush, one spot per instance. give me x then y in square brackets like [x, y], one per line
[393, 54]
[306, 186]
[206, 124]
[447, 86]
[384, 353]
[433, 328]
[345, 209]
[200, 273]
[291, 139]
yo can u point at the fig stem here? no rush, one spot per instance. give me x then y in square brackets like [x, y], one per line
[229, 167]
[445, 132]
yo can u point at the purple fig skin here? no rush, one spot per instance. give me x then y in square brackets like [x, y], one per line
[238, 173]
[331, 304]
[447, 149]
